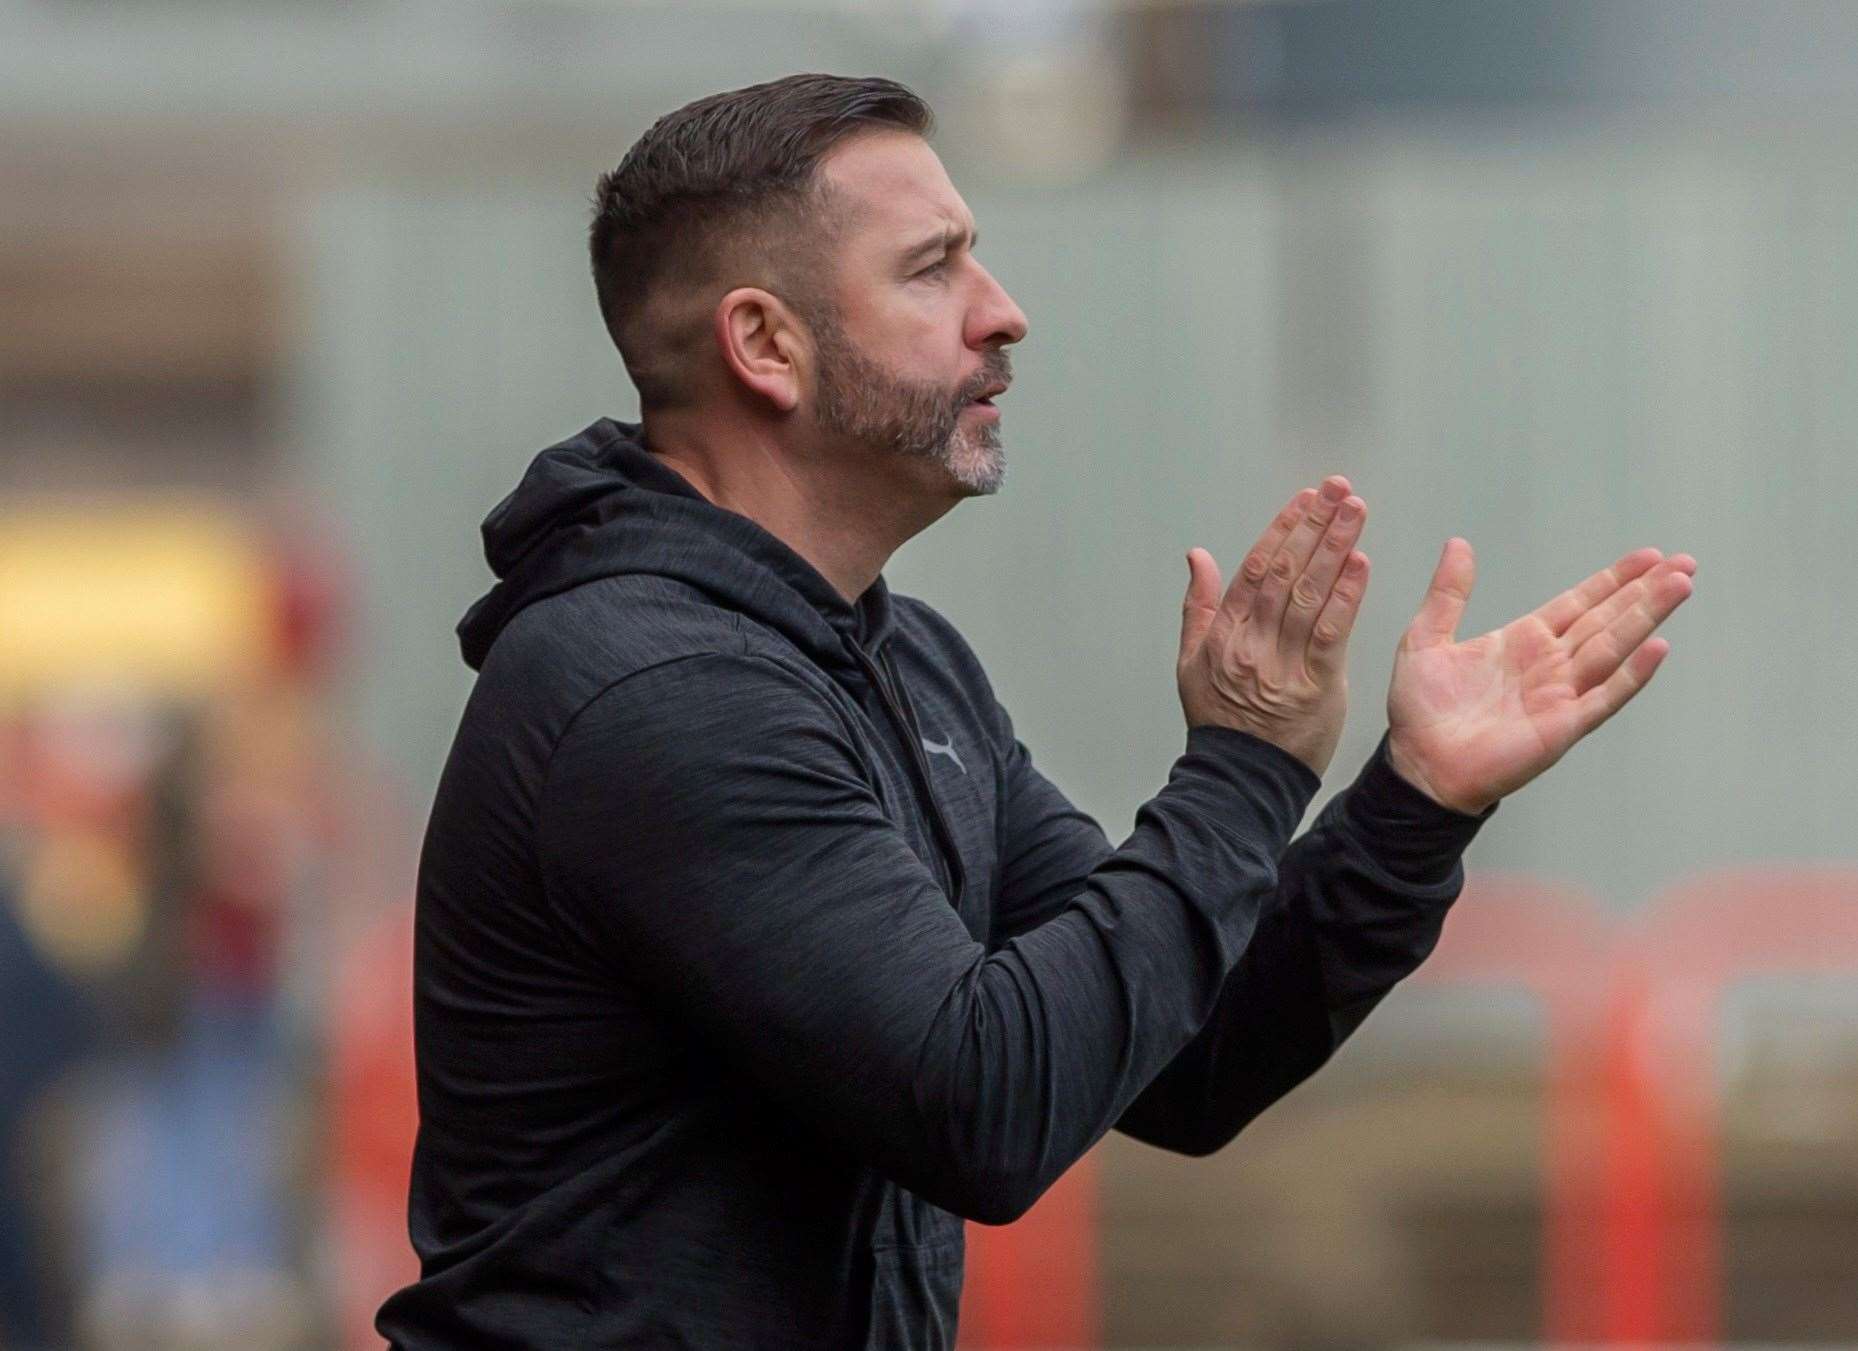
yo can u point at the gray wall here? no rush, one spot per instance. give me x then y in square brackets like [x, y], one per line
[1560, 340]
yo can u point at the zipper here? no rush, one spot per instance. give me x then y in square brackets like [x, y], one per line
[897, 704]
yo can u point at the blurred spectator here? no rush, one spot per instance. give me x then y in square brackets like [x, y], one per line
[47, 1027]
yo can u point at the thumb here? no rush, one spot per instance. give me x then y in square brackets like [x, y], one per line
[1443, 607]
[1202, 600]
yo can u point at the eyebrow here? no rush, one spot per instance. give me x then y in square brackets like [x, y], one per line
[947, 238]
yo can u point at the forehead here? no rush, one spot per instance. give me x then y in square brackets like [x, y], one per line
[894, 188]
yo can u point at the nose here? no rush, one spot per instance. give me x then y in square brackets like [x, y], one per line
[995, 320]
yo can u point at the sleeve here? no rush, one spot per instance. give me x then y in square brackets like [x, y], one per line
[1360, 902]
[708, 826]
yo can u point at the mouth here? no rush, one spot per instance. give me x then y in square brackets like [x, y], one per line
[986, 397]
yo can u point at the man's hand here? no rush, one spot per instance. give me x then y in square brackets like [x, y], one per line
[1471, 722]
[1270, 657]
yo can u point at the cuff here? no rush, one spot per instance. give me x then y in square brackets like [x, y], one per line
[1255, 764]
[1406, 832]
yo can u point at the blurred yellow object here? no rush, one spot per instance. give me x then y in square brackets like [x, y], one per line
[170, 597]
[84, 903]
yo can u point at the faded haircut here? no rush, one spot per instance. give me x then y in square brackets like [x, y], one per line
[725, 192]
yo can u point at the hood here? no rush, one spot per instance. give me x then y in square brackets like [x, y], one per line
[601, 505]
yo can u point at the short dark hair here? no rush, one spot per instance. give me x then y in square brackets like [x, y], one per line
[716, 174]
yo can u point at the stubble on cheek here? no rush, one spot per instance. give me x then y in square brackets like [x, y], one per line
[894, 415]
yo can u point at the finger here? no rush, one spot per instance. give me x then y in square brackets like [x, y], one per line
[1561, 612]
[1328, 651]
[1310, 592]
[1597, 658]
[1601, 616]
[1294, 554]
[1616, 691]
[1202, 599]
[1446, 594]
[1251, 573]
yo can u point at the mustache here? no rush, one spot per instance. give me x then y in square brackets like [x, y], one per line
[996, 369]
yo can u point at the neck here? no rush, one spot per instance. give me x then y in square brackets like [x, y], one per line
[844, 512]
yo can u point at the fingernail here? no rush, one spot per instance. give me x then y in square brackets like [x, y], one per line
[1334, 491]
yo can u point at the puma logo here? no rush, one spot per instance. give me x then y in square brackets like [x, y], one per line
[946, 748]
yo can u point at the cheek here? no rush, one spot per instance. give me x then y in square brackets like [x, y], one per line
[917, 332]
[926, 321]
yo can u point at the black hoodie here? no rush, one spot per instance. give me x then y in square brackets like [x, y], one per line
[753, 954]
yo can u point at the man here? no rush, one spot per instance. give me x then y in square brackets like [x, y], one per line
[754, 955]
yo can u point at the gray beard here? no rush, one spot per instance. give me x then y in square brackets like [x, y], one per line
[865, 404]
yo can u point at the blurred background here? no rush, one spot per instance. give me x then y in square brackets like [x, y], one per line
[291, 292]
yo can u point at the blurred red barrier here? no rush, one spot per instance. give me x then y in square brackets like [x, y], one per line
[373, 1119]
[1554, 942]
[1663, 1229]
[1634, 1241]
[1033, 1283]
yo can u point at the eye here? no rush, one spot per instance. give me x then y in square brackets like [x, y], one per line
[934, 269]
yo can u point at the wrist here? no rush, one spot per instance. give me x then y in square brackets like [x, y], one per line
[1411, 837]
[1412, 770]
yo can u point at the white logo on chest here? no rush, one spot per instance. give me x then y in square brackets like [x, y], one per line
[946, 748]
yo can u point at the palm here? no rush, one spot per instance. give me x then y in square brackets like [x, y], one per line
[1483, 708]
[1472, 721]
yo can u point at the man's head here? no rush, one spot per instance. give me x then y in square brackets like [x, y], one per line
[794, 251]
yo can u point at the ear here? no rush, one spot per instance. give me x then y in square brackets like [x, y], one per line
[760, 343]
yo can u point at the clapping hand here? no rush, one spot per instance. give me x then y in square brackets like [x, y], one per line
[1469, 722]
[1269, 656]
